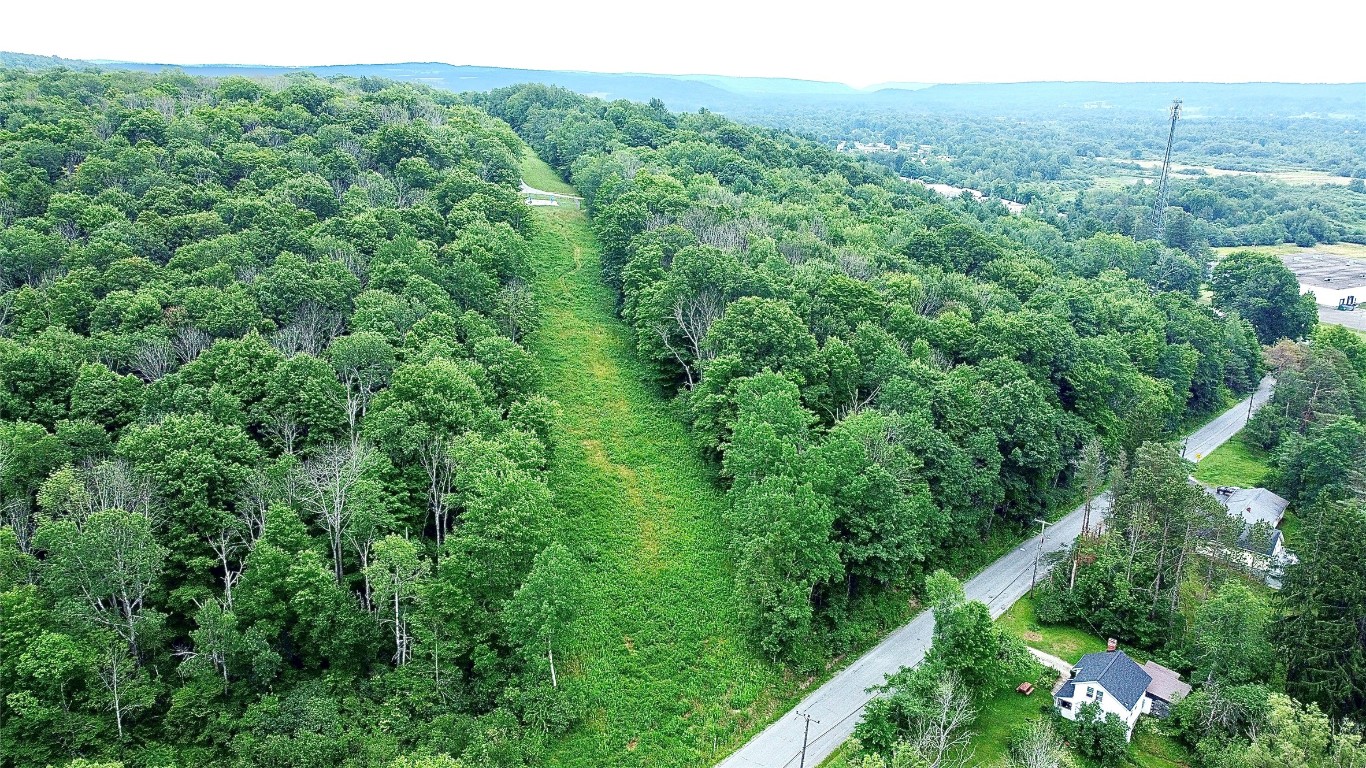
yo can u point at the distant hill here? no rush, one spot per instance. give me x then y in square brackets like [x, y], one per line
[740, 94]
[33, 61]
[1200, 99]
[676, 92]
[771, 86]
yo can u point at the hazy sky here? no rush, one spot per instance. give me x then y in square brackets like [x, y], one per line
[857, 43]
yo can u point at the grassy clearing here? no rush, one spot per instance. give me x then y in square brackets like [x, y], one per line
[1005, 711]
[536, 173]
[658, 657]
[1345, 250]
[1235, 463]
[1157, 750]
[1067, 643]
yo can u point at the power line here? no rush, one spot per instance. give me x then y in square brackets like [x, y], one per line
[1160, 205]
[806, 731]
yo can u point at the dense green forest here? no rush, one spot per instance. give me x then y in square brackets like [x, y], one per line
[884, 382]
[272, 459]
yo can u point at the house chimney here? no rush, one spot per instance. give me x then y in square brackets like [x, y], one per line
[1111, 645]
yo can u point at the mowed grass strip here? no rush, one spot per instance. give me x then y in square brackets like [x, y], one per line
[1235, 463]
[1067, 643]
[657, 656]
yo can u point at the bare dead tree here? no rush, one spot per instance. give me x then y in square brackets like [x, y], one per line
[854, 265]
[190, 342]
[695, 315]
[857, 403]
[106, 486]
[310, 330]
[393, 114]
[226, 544]
[152, 360]
[1038, 745]
[165, 106]
[115, 669]
[942, 737]
[329, 478]
[285, 429]
[247, 273]
[254, 499]
[665, 332]
[436, 460]
[115, 484]
[69, 230]
[17, 513]
[657, 221]
[795, 253]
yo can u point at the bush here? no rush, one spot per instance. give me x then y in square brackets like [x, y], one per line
[1101, 736]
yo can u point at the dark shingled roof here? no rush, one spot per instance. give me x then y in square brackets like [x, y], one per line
[1116, 672]
[1166, 684]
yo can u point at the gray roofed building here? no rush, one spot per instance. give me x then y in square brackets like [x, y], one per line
[1261, 546]
[1121, 675]
[1253, 505]
[1166, 688]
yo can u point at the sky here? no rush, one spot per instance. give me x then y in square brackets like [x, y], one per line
[856, 43]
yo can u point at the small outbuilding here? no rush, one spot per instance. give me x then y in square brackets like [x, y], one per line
[1165, 690]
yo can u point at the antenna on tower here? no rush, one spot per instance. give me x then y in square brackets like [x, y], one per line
[1160, 205]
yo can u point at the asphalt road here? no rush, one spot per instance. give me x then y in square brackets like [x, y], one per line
[835, 708]
[1356, 319]
[1226, 425]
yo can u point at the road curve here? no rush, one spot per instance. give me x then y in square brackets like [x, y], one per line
[835, 708]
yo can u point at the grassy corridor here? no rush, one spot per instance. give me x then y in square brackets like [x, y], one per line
[657, 654]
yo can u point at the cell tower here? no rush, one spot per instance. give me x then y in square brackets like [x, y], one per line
[1160, 205]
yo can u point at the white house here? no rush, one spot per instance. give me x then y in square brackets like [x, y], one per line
[1112, 681]
[1261, 547]
[1120, 687]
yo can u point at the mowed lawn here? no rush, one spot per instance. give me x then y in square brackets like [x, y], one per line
[657, 657]
[1067, 643]
[1235, 463]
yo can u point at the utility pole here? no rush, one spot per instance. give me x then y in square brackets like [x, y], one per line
[806, 731]
[1160, 205]
[1043, 532]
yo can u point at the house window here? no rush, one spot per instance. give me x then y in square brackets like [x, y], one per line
[1100, 696]
[1064, 703]
[1090, 692]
